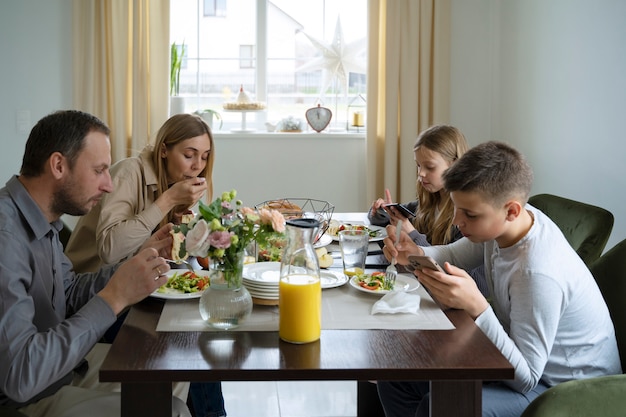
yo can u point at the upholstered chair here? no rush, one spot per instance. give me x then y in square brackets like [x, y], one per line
[602, 396]
[586, 227]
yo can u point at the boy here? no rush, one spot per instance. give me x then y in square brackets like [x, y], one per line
[547, 315]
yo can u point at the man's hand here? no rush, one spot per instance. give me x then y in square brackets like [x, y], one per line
[135, 279]
[456, 289]
[161, 240]
[403, 249]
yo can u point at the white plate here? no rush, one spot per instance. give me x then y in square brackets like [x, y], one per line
[325, 240]
[262, 272]
[332, 279]
[382, 233]
[403, 283]
[267, 274]
[172, 294]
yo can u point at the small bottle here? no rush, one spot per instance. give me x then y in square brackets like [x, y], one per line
[299, 288]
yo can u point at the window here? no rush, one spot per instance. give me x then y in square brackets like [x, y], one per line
[289, 54]
[246, 56]
[215, 8]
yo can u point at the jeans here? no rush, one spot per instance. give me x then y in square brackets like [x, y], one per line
[411, 399]
[206, 399]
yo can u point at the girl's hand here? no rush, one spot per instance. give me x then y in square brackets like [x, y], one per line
[456, 289]
[379, 203]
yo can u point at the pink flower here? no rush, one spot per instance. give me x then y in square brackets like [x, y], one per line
[247, 211]
[220, 240]
[278, 221]
[273, 217]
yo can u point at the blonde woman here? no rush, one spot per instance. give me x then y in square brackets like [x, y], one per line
[157, 187]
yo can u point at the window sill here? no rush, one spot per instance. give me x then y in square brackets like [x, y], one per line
[287, 135]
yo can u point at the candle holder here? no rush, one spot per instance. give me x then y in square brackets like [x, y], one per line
[355, 117]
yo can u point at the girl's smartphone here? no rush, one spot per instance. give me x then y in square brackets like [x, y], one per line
[402, 209]
[421, 262]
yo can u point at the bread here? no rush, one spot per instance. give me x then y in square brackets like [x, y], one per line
[177, 240]
[288, 209]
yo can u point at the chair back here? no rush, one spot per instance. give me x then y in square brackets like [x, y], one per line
[609, 271]
[600, 396]
[586, 227]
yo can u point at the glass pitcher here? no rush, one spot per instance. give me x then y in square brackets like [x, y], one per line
[299, 288]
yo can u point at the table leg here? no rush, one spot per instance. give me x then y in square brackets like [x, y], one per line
[147, 399]
[367, 401]
[456, 398]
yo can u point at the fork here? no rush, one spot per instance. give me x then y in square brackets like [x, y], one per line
[182, 261]
[391, 272]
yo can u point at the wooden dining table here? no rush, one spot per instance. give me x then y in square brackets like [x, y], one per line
[147, 361]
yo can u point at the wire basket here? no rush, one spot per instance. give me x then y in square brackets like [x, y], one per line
[292, 208]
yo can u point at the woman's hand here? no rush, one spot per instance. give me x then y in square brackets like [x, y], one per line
[184, 193]
[161, 240]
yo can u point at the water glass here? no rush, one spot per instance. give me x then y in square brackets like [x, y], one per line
[354, 245]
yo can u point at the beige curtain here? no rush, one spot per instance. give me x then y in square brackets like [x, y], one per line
[121, 67]
[408, 88]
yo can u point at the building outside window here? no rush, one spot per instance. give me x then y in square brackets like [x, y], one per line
[289, 55]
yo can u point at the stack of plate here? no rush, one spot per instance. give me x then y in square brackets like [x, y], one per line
[261, 280]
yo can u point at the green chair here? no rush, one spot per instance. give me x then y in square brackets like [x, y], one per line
[602, 396]
[587, 228]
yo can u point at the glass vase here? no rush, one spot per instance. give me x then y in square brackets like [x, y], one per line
[226, 303]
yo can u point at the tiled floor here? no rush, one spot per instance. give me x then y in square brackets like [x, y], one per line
[290, 399]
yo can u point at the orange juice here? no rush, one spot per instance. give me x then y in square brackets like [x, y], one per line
[299, 308]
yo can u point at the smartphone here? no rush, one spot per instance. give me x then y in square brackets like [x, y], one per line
[421, 262]
[402, 209]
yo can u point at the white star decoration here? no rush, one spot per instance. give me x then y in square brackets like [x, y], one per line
[338, 59]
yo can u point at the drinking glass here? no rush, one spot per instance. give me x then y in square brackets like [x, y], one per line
[354, 245]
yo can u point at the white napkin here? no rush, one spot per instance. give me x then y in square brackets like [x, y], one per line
[397, 302]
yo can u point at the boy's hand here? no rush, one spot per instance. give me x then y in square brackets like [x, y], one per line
[403, 249]
[456, 289]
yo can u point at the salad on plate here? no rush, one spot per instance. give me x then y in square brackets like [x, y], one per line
[184, 283]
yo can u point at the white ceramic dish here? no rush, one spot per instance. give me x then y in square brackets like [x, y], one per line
[172, 294]
[403, 283]
[382, 233]
[266, 275]
[325, 240]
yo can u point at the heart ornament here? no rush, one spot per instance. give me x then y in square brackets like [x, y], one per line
[318, 117]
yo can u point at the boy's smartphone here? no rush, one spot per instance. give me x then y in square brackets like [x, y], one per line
[402, 209]
[421, 262]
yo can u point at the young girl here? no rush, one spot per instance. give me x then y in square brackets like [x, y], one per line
[436, 149]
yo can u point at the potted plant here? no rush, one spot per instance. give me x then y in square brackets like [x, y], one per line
[208, 115]
[177, 103]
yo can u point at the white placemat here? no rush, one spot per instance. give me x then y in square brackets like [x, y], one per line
[343, 308]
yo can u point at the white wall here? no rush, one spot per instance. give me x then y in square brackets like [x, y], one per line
[545, 75]
[35, 69]
[548, 76]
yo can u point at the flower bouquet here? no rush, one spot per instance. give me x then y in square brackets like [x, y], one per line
[223, 229]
